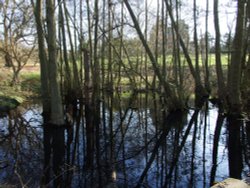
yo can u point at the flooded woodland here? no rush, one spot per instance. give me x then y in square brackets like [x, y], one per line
[122, 93]
[135, 145]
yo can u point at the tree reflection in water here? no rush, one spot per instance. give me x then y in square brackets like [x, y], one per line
[135, 145]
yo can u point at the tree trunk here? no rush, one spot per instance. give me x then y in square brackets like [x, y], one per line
[207, 83]
[196, 47]
[246, 73]
[8, 59]
[68, 78]
[219, 70]
[56, 99]
[235, 67]
[172, 100]
[55, 136]
[200, 91]
[76, 83]
[45, 84]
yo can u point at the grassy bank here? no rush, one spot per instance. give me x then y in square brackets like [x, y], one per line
[28, 86]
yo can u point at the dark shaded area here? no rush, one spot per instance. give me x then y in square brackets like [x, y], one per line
[7, 104]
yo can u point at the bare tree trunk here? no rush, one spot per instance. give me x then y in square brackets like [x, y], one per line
[207, 82]
[156, 46]
[245, 90]
[219, 71]
[164, 40]
[8, 59]
[56, 136]
[246, 74]
[68, 78]
[45, 84]
[146, 38]
[88, 113]
[200, 90]
[76, 83]
[171, 99]
[57, 117]
[234, 80]
[90, 34]
[96, 90]
[110, 53]
[121, 44]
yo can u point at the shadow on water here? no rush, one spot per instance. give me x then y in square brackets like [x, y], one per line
[128, 142]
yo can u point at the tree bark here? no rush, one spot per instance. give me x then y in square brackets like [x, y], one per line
[76, 83]
[219, 70]
[56, 114]
[235, 68]
[68, 78]
[45, 84]
[207, 82]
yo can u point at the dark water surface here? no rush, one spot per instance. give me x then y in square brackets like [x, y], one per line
[135, 145]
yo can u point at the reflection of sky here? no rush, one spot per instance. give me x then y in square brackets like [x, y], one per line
[139, 134]
[135, 140]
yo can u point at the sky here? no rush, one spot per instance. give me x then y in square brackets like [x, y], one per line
[227, 14]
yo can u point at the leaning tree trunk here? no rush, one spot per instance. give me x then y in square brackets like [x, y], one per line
[76, 82]
[172, 100]
[235, 67]
[200, 91]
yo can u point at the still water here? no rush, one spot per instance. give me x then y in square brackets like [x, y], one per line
[134, 145]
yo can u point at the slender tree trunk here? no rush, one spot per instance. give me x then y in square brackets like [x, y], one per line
[96, 90]
[164, 40]
[246, 75]
[103, 44]
[197, 66]
[68, 78]
[72, 51]
[171, 99]
[200, 90]
[81, 42]
[207, 82]
[219, 70]
[120, 47]
[8, 58]
[88, 113]
[110, 51]
[146, 38]
[156, 47]
[89, 34]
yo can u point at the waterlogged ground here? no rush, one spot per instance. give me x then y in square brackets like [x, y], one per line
[138, 146]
